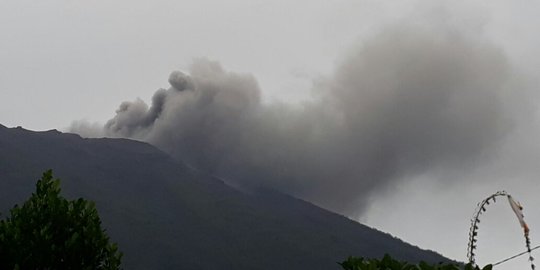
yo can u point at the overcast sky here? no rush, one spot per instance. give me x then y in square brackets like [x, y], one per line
[62, 61]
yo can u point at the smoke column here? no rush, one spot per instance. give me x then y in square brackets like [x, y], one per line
[406, 101]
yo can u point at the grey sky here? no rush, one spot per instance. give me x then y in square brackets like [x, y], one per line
[67, 60]
[120, 49]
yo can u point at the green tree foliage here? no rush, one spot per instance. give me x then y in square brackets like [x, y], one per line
[387, 263]
[50, 232]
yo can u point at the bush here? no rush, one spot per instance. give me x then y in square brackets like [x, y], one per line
[387, 263]
[50, 232]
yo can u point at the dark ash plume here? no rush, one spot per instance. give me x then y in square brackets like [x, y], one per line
[405, 102]
[180, 81]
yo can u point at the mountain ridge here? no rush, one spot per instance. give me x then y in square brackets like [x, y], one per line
[166, 215]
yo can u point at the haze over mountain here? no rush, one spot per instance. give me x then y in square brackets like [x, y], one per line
[410, 100]
[165, 215]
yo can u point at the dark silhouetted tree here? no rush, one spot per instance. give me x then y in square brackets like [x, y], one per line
[51, 232]
[388, 263]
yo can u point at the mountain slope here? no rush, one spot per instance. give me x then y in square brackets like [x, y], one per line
[165, 215]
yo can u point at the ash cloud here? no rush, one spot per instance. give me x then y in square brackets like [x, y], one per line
[402, 103]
